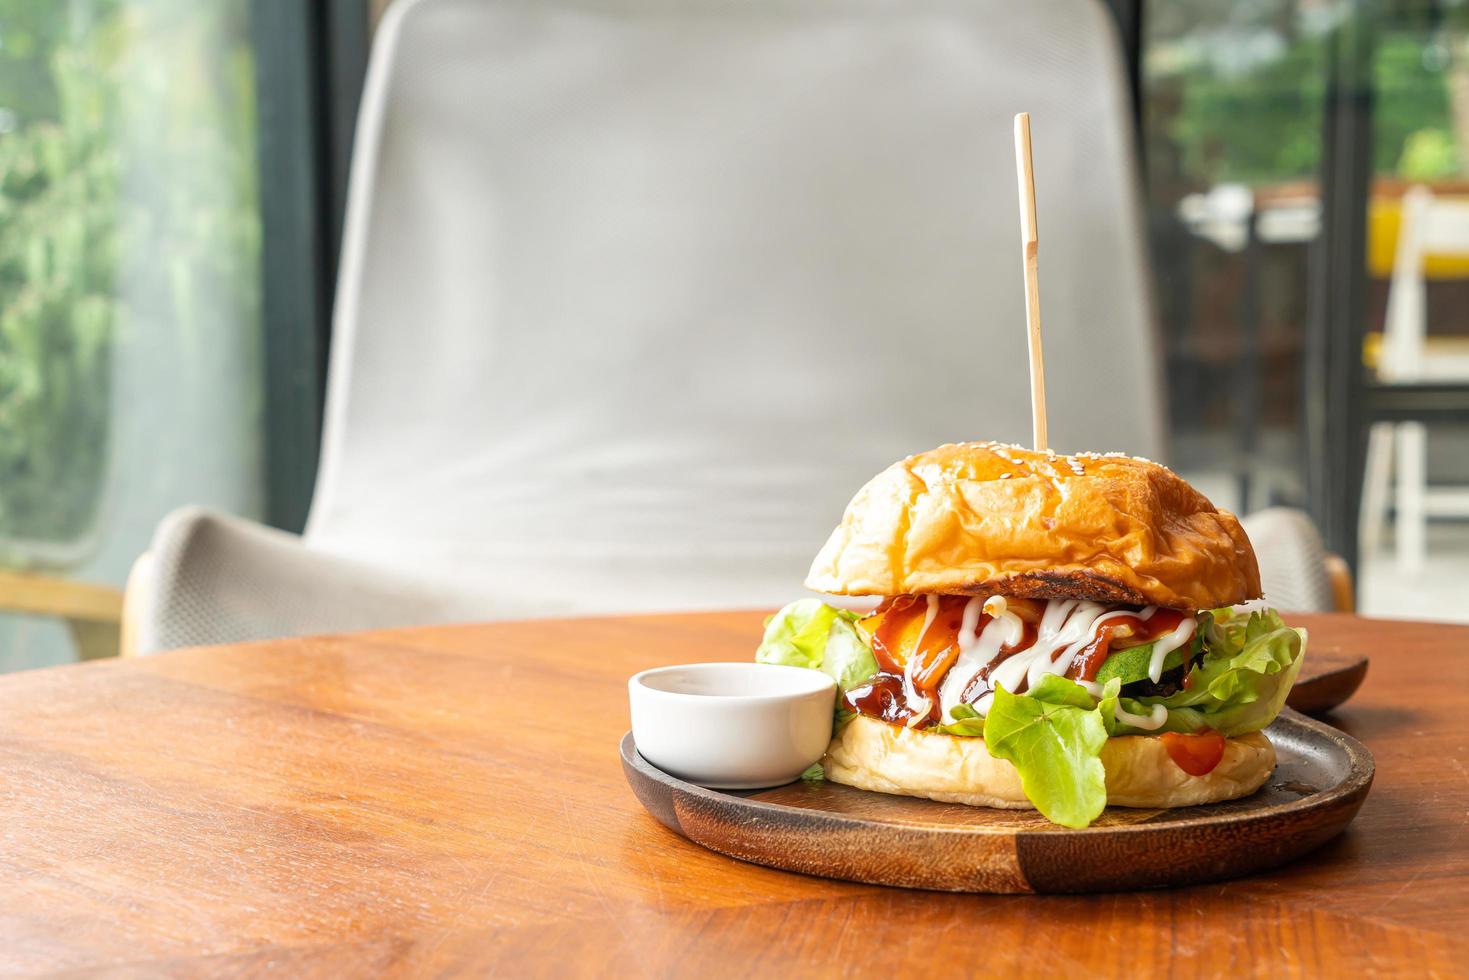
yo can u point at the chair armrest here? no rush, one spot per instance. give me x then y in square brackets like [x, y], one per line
[91, 611]
[134, 599]
[210, 578]
[1343, 590]
[48, 595]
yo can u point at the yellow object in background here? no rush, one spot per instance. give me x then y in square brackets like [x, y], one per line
[1371, 350]
[1384, 218]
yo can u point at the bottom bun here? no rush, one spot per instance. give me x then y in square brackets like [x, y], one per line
[886, 758]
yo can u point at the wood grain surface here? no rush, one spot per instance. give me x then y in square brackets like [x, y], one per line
[451, 801]
[820, 827]
[1327, 679]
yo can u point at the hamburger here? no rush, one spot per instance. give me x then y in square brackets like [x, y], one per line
[1012, 628]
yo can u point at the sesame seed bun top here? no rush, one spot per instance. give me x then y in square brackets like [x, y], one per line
[981, 518]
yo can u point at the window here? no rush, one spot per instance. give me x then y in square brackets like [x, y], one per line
[130, 335]
[1241, 174]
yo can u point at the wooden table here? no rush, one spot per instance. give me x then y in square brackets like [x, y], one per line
[449, 800]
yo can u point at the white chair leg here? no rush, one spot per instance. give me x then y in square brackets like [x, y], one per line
[1375, 487]
[1411, 522]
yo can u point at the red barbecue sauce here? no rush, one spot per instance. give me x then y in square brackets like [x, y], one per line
[1136, 630]
[1195, 754]
[894, 631]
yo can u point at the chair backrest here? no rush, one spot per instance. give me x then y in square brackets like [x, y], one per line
[1441, 224]
[635, 294]
[1294, 565]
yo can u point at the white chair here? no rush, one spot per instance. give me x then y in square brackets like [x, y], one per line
[635, 295]
[1431, 226]
[1297, 573]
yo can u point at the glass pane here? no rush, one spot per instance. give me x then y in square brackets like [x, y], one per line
[1418, 328]
[1234, 105]
[1233, 97]
[1415, 512]
[129, 285]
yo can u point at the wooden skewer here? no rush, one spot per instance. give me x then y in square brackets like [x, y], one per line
[1030, 251]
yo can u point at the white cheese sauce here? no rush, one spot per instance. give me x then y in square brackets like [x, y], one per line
[1065, 629]
[1150, 722]
[1166, 644]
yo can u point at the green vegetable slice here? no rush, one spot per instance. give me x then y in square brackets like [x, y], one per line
[967, 722]
[1054, 737]
[796, 636]
[1054, 733]
[1249, 665]
[809, 633]
[847, 659]
[1133, 663]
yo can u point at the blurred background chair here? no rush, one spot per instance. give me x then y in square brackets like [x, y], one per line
[1296, 570]
[633, 299]
[1432, 228]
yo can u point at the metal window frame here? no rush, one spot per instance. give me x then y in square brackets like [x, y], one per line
[310, 62]
[1335, 413]
[1128, 16]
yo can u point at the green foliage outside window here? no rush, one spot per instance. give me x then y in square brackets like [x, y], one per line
[58, 219]
[1262, 124]
[127, 209]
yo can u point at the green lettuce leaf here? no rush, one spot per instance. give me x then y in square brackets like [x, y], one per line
[967, 722]
[1107, 705]
[809, 633]
[848, 660]
[1055, 689]
[1053, 735]
[1250, 662]
[796, 636]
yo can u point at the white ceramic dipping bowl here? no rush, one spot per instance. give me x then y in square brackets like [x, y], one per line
[732, 726]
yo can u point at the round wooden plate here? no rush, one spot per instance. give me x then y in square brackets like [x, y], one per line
[823, 828]
[1329, 675]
